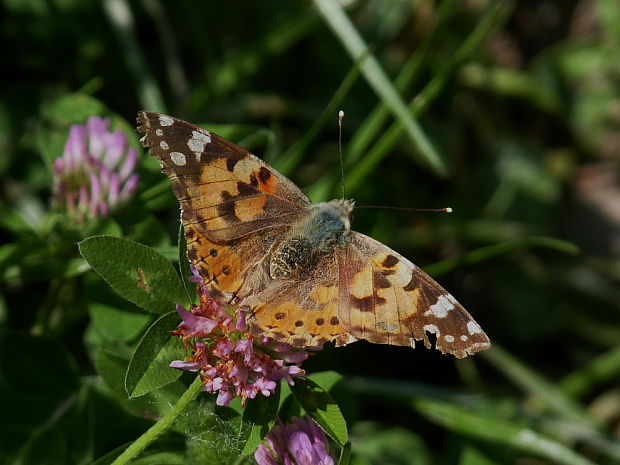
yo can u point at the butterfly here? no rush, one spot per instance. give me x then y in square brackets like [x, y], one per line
[258, 241]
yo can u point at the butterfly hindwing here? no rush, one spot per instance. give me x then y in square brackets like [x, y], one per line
[302, 312]
[386, 299]
[225, 267]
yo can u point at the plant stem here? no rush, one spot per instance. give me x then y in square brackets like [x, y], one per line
[162, 425]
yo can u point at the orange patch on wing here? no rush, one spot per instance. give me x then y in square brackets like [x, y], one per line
[208, 195]
[289, 322]
[226, 273]
[266, 180]
[362, 283]
[219, 164]
[387, 295]
[222, 265]
[400, 272]
[324, 294]
[214, 172]
[248, 209]
[245, 168]
[415, 296]
[218, 223]
[206, 213]
[378, 260]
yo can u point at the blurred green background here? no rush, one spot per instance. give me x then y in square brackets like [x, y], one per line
[508, 112]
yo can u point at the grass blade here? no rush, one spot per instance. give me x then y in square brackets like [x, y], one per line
[585, 378]
[538, 386]
[286, 163]
[336, 18]
[477, 425]
[120, 17]
[369, 130]
[422, 101]
[491, 251]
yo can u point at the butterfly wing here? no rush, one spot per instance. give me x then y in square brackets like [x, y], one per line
[224, 190]
[302, 312]
[365, 290]
[234, 205]
[386, 299]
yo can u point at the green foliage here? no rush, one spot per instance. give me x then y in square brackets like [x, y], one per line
[319, 405]
[149, 368]
[488, 428]
[260, 415]
[136, 272]
[505, 111]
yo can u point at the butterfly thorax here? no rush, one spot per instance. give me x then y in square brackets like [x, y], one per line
[325, 226]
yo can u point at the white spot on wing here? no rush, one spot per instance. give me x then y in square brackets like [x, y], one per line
[473, 327]
[165, 120]
[433, 329]
[178, 158]
[159, 132]
[449, 338]
[441, 308]
[198, 141]
[464, 338]
[164, 145]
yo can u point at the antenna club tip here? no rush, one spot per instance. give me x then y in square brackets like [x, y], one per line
[340, 114]
[449, 210]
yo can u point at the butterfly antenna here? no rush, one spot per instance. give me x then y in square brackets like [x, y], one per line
[436, 210]
[340, 118]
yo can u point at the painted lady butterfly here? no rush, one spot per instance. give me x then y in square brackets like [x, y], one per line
[259, 241]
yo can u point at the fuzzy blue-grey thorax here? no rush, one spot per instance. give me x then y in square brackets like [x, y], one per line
[326, 225]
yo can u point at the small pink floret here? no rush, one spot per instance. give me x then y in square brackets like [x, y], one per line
[97, 168]
[300, 442]
[232, 363]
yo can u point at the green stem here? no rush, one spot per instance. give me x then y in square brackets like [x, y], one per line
[288, 161]
[343, 28]
[162, 425]
[391, 136]
[120, 16]
[490, 251]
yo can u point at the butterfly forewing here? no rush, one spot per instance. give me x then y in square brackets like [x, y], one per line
[226, 194]
[224, 190]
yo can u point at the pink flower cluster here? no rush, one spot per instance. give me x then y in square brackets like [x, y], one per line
[228, 359]
[96, 170]
[301, 442]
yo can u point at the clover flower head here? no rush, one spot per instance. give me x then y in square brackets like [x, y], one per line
[300, 442]
[96, 171]
[230, 361]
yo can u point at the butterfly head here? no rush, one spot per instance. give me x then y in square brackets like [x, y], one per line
[329, 223]
[333, 215]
